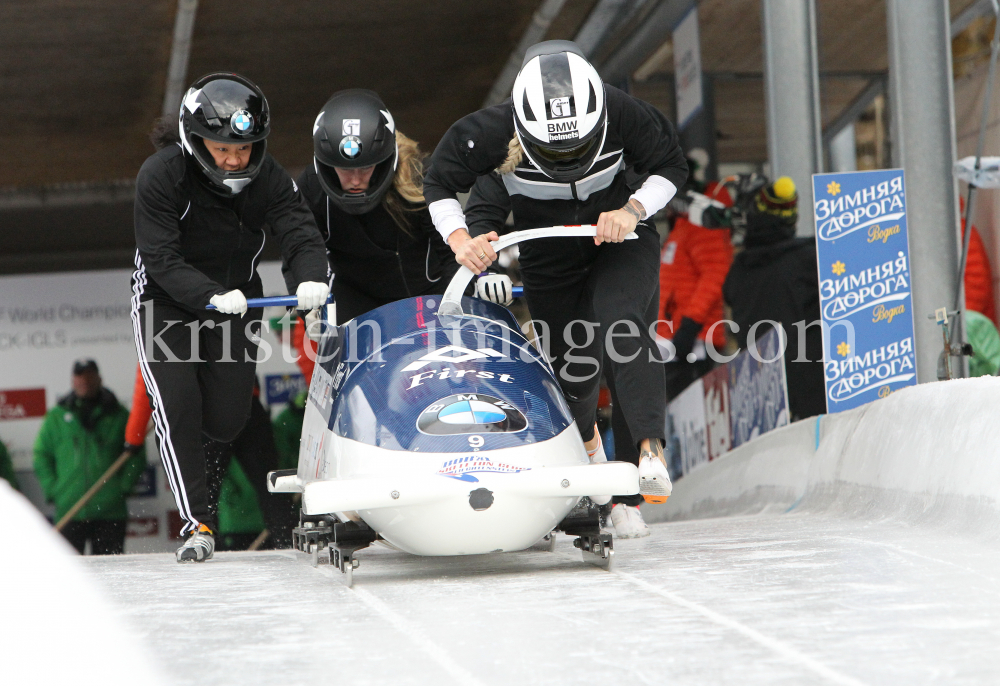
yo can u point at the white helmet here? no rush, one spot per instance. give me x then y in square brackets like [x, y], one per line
[560, 111]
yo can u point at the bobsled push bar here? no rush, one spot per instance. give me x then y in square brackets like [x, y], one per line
[274, 301]
[292, 300]
[451, 303]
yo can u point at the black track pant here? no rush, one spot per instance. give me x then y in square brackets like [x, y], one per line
[199, 371]
[106, 536]
[627, 446]
[254, 450]
[612, 286]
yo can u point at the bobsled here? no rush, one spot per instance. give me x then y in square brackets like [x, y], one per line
[433, 424]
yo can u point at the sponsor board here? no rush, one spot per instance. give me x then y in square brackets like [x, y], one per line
[687, 67]
[22, 403]
[282, 388]
[865, 285]
[732, 404]
[758, 392]
[718, 432]
[142, 527]
[145, 485]
[686, 429]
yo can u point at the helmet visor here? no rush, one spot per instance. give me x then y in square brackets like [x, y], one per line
[565, 156]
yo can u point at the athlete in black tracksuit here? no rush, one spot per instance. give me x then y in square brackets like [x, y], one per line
[567, 279]
[486, 210]
[364, 188]
[191, 244]
[374, 261]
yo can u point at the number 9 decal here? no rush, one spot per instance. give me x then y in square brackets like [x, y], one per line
[476, 441]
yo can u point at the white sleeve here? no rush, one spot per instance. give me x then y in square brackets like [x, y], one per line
[447, 216]
[654, 195]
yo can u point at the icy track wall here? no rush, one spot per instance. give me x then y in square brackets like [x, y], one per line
[927, 455]
[57, 626]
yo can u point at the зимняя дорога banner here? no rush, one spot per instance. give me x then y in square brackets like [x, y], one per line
[864, 285]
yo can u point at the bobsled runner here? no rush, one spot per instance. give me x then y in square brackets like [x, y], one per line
[433, 423]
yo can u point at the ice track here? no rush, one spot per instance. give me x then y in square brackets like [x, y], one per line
[860, 549]
[764, 599]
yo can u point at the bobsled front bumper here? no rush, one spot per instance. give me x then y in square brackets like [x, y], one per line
[372, 493]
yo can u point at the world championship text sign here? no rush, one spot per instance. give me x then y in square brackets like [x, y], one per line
[864, 285]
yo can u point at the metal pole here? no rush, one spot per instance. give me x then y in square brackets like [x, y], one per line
[791, 92]
[971, 202]
[601, 20]
[536, 30]
[180, 50]
[922, 115]
[700, 131]
[649, 35]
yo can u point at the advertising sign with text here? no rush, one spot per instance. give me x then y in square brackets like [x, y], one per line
[864, 279]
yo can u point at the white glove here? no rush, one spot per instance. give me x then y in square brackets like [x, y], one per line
[314, 327]
[311, 294]
[700, 203]
[233, 302]
[496, 288]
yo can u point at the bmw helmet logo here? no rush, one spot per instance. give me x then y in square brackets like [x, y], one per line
[241, 122]
[470, 413]
[350, 147]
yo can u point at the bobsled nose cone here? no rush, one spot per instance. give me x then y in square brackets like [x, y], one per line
[480, 499]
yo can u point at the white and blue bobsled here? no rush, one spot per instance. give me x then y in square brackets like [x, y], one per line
[432, 423]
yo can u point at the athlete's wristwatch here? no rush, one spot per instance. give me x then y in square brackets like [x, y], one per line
[635, 208]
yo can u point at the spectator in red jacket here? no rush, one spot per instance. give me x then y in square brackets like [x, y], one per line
[694, 262]
[978, 275]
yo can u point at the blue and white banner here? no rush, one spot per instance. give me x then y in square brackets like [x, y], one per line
[687, 68]
[282, 388]
[864, 285]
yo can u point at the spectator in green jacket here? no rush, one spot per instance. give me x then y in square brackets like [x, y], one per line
[7, 468]
[985, 340]
[288, 431]
[80, 437]
[240, 518]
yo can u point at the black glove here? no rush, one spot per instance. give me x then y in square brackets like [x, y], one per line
[685, 337]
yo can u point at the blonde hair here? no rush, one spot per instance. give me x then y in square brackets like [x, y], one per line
[407, 193]
[514, 156]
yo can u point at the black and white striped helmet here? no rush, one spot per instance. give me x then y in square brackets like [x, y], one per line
[560, 110]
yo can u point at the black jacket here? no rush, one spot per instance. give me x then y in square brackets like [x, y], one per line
[192, 244]
[780, 282]
[639, 138]
[370, 253]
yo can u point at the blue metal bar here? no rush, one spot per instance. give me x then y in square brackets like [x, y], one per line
[274, 301]
[291, 300]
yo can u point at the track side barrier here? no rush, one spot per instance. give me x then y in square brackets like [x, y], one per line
[926, 455]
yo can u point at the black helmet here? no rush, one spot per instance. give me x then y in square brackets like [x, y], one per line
[559, 110]
[355, 130]
[226, 108]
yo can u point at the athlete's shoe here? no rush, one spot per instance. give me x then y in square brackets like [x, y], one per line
[597, 455]
[199, 547]
[628, 521]
[654, 481]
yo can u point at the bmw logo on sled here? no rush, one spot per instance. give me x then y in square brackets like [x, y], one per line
[432, 423]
